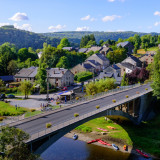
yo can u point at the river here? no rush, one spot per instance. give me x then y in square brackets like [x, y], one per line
[68, 149]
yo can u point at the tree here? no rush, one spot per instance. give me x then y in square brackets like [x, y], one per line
[25, 88]
[86, 39]
[156, 75]
[13, 146]
[1, 83]
[12, 67]
[124, 81]
[64, 43]
[42, 76]
[63, 62]
[101, 42]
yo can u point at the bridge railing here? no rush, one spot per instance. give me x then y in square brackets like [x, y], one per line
[70, 103]
[87, 115]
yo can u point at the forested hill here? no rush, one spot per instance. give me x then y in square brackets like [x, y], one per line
[75, 36]
[25, 39]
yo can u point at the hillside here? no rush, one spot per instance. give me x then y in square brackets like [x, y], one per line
[75, 36]
[26, 39]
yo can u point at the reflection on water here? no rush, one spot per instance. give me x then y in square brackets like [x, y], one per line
[68, 149]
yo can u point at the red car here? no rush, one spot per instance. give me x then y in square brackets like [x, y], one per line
[64, 88]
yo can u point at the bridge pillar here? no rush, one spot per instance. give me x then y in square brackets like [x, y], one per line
[127, 110]
[133, 107]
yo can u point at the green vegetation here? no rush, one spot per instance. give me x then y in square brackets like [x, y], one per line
[8, 110]
[48, 125]
[84, 129]
[93, 88]
[12, 144]
[30, 114]
[64, 43]
[83, 76]
[131, 135]
[76, 114]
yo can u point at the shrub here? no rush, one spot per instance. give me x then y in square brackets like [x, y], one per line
[77, 98]
[127, 96]
[118, 87]
[1, 118]
[110, 121]
[106, 90]
[83, 76]
[32, 110]
[137, 92]
[84, 128]
[146, 89]
[57, 103]
[48, 125]
[76, 115]
[98, 107]
[114, 101]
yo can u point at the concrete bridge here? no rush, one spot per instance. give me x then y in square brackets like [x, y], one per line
[130, 103]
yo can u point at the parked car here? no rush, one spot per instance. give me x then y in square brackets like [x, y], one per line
[11, 96]
[64, 88]
[2, 96]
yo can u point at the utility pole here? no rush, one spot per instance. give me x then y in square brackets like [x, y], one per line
[47, 86]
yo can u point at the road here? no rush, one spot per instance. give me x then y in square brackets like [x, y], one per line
[38, 124]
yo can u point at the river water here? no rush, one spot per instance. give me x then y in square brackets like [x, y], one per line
[68, 149]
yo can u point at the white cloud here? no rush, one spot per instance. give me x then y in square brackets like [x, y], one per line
[93, 19]
[157, 23]
[110, 18]
[157, 13]
[111, 0]
[3, 24]
[82, 28]
[26, 27]
[86, 18]
[19, 17]
[57, 28]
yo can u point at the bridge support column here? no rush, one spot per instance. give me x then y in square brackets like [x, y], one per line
[133, 107]
[31, 148]
[127, 107]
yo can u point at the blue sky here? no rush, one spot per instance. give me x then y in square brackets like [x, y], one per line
[81, 15]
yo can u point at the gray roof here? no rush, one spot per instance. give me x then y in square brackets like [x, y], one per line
[56, 72]
[27, 72]
[123, 44]
[101, 56]
[87, 66]
[112, 68]
[94, 48]
[105, 49]
[67, 48]
[94, 62]
[82, 50]
[129, 66]
[135, 59]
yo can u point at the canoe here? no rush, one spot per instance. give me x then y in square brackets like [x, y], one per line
[75, 136]
[95, 140]
[104, 143]
[143, 154]
[115, 147]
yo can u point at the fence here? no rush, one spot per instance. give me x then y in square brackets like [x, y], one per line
[87, 115]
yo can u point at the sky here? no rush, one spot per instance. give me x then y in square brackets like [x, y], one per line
[43, 16]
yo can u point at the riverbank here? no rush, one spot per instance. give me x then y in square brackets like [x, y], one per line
[144, 137]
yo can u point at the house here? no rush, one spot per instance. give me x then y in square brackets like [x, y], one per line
[69, 49]
[101, 59]
[106, 45]
[126, 67]
[105, 50]
[151, 52]
[7, 79]
[94, 49]
[26, 74]
[39, 54]
[147, 59]
[133, 60]
[60, 77]
[127, 45]
[112, 72]
[82, 50]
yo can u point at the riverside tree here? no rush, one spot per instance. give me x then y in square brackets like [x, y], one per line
[12, 145]
[156, 75]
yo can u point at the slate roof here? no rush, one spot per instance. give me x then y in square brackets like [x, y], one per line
[94, 48]
[123, 44]
[87, 66]
[56, 72]
[129, 66]
[7, 78]
[135, 59]
[94, 62]
[82, 50]
[101, 56]
[27, 72]
[105, 49]
[67, 48]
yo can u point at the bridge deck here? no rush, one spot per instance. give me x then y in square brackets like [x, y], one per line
[38, 124]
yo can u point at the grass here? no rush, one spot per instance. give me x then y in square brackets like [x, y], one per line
[30, 114]
[145, 136]
[153, 49]
[141, 51]
[8, 110]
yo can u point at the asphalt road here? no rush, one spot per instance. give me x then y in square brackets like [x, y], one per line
[39, 124]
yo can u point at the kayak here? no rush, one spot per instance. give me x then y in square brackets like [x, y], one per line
[104, 143]
[75, 136]
[115, 147]
[143, 154]
[93, 141]
[125, 147]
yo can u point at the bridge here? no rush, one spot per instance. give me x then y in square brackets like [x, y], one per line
[63, 120]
